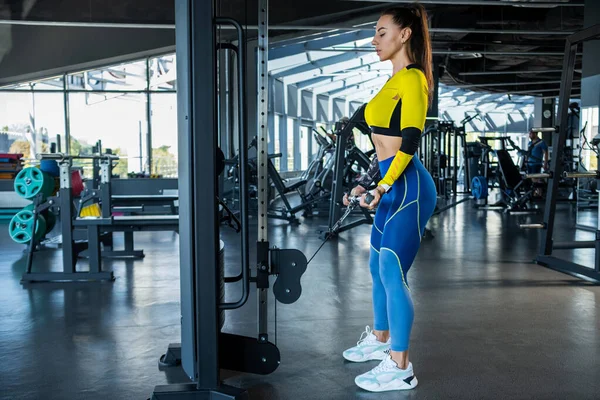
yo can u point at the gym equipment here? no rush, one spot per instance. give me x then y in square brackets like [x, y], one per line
[444, 159]
[559, 137]
[204, 349]
[479, 188]
[516, 191]
[283, 188]
[21, 226]
[64, 201]
[319, 171]
[31, 181]
[50, 220]
[92, 213]
[353, 202]
[50, 167]
[339, 183]
[77, 183]
[316, 165]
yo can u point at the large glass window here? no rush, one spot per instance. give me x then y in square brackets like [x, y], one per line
[118, 120]
[164, 134]
[122, 77]
[30, 122]
[163, 72]
[304, 138]
[290, 144]
[107, 104]
[55, 83]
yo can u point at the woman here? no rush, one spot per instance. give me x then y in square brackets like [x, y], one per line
[405, 196]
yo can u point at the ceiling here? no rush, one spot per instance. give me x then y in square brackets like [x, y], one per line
[497, 46]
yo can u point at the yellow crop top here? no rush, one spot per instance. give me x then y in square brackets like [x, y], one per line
[399, 109]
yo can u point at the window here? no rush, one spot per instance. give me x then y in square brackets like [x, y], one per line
[304, 138]
[122, 77]
[118, 120]
[164, 134]
[290, 144]
[55, 83]
[30, 122]
[277, 144]
[163, 72]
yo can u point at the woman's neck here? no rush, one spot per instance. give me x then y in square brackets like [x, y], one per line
[401, 60]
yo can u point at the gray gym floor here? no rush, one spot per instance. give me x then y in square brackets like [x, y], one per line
[489, 324]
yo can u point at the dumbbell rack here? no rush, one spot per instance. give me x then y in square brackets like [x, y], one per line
[63, 201]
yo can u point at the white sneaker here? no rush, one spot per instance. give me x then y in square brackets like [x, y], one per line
[367, 348]
[387, 376]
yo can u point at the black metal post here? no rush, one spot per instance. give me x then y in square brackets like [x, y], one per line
[148, 118]
[338, 176]
[455, 158]
[558, 146]
[199, 231]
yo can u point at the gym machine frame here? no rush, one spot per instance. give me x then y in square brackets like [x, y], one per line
[547, 244]
[204, 349]
[445, 135]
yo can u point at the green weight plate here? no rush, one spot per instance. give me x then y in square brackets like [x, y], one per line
[31, 181]
[21, 227]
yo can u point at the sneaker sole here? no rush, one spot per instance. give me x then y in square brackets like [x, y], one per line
[389, 388]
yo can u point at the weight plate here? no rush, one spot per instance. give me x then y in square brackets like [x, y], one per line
[21, 227]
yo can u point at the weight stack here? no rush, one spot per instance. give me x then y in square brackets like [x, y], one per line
[222, 280]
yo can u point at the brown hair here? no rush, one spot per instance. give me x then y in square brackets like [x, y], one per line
[419, 45]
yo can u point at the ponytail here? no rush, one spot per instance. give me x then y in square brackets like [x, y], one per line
[419, 45]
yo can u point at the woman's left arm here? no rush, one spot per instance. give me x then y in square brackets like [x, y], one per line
[414, 97]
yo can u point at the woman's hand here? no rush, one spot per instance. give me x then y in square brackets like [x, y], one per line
[357, 191]
[376, 193]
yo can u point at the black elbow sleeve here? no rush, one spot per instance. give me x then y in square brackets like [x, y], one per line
[411, 138]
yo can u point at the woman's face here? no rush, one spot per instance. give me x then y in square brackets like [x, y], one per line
[389, 37]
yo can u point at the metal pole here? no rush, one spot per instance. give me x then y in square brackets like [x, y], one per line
[34, 134]
[455, 158]
[66, 112]
[227, 131]
[597, 254]
[263, 178]
[148, 118]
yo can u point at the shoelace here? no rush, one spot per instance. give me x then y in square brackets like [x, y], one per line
[364, 337]
[386, 365]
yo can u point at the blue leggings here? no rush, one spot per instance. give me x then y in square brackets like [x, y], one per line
[396, 235]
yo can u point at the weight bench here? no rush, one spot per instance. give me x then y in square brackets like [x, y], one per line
[128, 224]
[138, 203]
